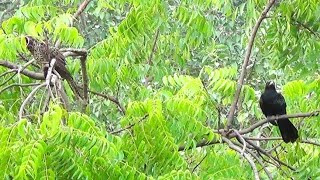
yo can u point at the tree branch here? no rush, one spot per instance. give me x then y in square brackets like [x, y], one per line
[245, 63]
[198, 164]
[251, 128]
[269, 155]
[19, 85]
[31, 74]
[272, 118]
[245, 155]
[28, 99]
[83, 61]
[130, 126]
[110, 98]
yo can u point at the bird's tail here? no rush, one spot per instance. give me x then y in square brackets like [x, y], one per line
[288, 132]
[74, 87]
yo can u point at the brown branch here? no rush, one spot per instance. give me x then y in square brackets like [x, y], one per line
[83, 61]
[110, 98]
[18, 70]
[262, 139]
[130, 126]
[310, 142]
[19, 85]
[31, 74]
[306, 27]
[79, 52]
[245, 63]
[250, 129]
[148, 79]
[153, 47]
[272, 118]
[81, 8]
[269, 155]
[201, 144]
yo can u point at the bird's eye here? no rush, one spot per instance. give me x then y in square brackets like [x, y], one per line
[27, 41]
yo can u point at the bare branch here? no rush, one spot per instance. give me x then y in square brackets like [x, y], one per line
[19, 85]
[310, 142]
[78, 52]
[251, 128]
[245, 63]
[198, 164]
[18, 70]
[28, 99]
[110, 98]
[245, 155]
[258, 159]
[148, 79]
[83, 61]
[241, 139]
[269, 155]
[153, 47]
[201, 144]
[262, 139]
[272, 118]
[130, 126]
[31, 74]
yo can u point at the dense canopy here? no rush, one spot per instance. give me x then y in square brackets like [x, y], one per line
[168, 89]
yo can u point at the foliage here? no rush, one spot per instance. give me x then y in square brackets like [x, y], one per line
[177, 88]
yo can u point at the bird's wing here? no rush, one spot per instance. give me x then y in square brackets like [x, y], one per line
[263, 108]
[281, 103]
[58, 55]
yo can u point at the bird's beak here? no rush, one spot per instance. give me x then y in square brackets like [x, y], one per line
[271, 83]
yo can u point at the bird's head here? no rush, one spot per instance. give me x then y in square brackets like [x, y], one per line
[270, 85]
[30, 42]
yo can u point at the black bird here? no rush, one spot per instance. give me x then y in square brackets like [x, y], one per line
[273, 103]
[43, 54]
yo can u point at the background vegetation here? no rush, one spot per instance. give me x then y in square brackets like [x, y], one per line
[162, 77]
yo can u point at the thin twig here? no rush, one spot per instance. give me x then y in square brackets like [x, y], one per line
[306, 27]
[269, 155]
[310, 142]
[245, 155]
[19, 85]
[273, 148]
[198, 164]
[242, 141]
[245, 63]
[153, 47]
[262, 138]
[28, 99]
[148, 79]
[130, 126]
[110, 98]
[259, 161]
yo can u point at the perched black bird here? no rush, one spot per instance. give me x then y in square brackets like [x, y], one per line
[272, 104]
[43, 54]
